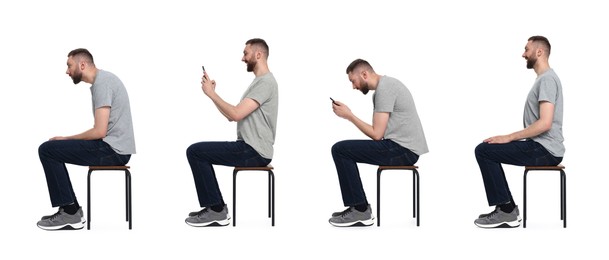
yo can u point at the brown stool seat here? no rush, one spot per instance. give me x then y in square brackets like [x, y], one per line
[415, 190]
[123, 168]
[549, 168]
[563, 190]
[269, 169]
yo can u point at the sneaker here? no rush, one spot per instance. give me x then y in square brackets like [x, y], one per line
[499, 219]
[208, 217]
[496, 208]
[63, 221]
[351, 217]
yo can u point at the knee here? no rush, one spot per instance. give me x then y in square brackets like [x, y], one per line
[45, 148]
[338, 147]
[191, 151]
[481, 149]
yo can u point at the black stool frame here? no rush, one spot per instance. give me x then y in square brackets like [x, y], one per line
[129, 216]
[271, 188]
[415, 191]
[563, 191]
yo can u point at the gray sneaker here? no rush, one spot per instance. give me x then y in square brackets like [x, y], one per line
[62, 221]
[488, 214]
[352, 217]
[499, 219]
[208, 217]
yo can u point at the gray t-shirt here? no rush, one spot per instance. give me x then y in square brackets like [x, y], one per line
[258, 128]
[547, 87]
[109, 91]
[404, 126]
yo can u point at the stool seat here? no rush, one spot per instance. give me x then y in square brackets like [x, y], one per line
[548, 168]
[398, 167]
[110, 168]
[563, 190]
[269, 169]
[254, 168]
[124, 168]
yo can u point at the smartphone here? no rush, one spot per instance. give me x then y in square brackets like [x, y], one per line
[333, 102]
[203, 67]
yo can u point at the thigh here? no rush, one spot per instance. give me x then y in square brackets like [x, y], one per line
[236, 153]
[383, 152]
[82, 152]
[521, 153]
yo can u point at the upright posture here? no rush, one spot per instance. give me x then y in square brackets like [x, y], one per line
[396, 133]
[256, 117]
[109, 143]
[540, 143]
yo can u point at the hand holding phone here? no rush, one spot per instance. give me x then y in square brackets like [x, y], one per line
[333, 102]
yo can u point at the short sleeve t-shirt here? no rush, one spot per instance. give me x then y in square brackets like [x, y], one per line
[258, 128]
[404, 126]
[547, 87]
[108, 91]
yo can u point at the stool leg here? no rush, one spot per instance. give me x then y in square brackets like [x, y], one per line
[234, 197]
[563, 182]
[272, 179]
[414, 215]
[128, 195]
[416, 173]
[269, 172]
[89, 200]
[378, 197]
[524, 217]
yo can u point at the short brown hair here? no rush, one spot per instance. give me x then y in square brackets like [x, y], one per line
[543, 41]
[357, 64]
[260, 43]
[82, 54]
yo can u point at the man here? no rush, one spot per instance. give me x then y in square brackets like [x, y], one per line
[396, 133]
[540, 143]
[256, 117]
[110, 142]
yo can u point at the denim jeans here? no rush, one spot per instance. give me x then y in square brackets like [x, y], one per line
[521, 153]
[55, 154]
[348, 153]
[202, 156]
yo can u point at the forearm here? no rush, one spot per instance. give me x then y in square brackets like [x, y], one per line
[226, 109]
[533, 130]
[91, 134]
[367, 129]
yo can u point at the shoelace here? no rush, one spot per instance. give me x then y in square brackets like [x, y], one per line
[203, 211]
[346, 212]
[56, 215]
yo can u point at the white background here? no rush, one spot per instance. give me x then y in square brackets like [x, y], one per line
[460, 59]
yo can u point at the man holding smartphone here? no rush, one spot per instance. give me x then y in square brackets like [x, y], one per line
[256, 117]
[109, 143]
[396, 133]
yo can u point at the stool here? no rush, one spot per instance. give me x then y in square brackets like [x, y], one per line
[127, 189]
[563, 190]
[268, 169]
[415, 190]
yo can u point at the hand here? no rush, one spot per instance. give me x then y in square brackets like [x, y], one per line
[58, 138]
[500, 139]
[341, 109]
[208, 86]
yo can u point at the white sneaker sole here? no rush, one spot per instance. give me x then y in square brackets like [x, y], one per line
[69, 226]
[223, 222]
[367, 222]
[506, 224]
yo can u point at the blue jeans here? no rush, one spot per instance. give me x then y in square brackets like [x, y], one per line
[201, 157]
[348, 153]
[55, 154]
[521, 153]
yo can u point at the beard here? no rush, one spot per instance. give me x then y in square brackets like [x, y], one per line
[250, 65]
[77, 77]
[531, 63]
[364, 89]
